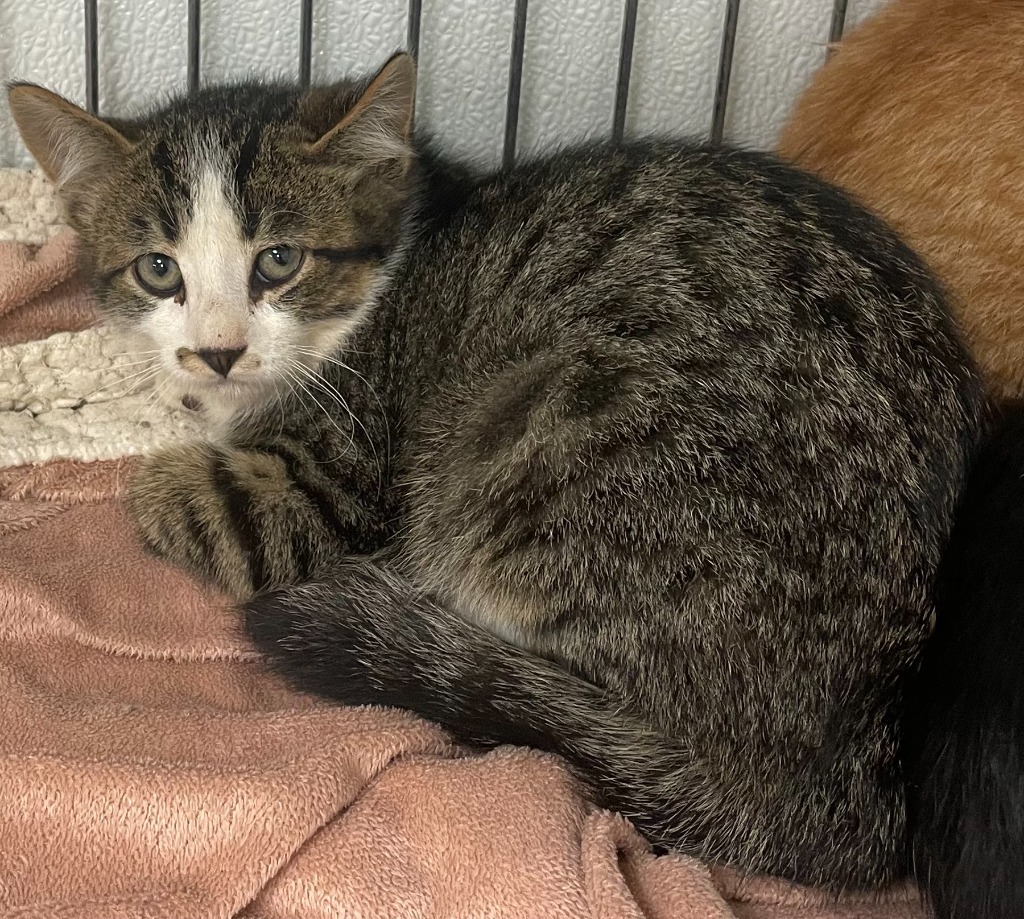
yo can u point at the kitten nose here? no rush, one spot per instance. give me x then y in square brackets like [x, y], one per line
[221, 359]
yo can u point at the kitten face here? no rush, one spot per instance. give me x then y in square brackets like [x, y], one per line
[243, 232]
[239, 291]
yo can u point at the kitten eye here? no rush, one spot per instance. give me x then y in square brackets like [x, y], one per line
[278, 264]
[158, 274]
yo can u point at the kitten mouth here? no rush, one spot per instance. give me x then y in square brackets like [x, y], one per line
[228, 392]
[236, 382]
[245, 391]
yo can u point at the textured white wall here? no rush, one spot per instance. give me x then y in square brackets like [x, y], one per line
[570, 62]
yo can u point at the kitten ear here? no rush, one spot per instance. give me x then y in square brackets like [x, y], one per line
[379, 126]
[64, 139]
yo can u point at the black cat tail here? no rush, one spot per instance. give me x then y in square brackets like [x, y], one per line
[369, 637]
[965, 726]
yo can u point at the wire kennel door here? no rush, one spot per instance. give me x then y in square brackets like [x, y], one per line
[497, 77]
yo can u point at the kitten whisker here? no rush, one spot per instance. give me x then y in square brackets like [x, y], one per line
[332, 391]
[145, 361]
[327, 414]
[336, 361]
[152, 399]
[279, 398]
[135, 380]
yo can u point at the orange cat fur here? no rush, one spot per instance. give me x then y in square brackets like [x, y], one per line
[920, 114]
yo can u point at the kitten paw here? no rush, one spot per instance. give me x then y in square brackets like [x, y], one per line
[179, 501]
[233, 516]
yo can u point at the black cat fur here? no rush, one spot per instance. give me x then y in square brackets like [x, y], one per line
[965, 729]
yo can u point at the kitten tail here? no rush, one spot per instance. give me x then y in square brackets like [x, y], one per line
[367, 636]
[966, 725]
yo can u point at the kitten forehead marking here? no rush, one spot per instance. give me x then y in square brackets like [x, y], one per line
[215, 261]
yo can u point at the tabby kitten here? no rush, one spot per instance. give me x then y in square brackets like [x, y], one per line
[641, 455]
[920, 114]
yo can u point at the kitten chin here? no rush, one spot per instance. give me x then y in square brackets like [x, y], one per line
[219, 410]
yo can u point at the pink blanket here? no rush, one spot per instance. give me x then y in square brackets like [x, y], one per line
[40, 292]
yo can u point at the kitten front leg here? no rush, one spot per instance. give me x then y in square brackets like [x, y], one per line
[241, 519]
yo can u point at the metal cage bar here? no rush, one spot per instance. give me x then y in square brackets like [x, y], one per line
[305, 43]
[412, 42]
[92, 66]
[412, 39]
[515, 82]
[625, 70]
[732, 15]
[835, 32]
[837, 26]
[193, 45]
